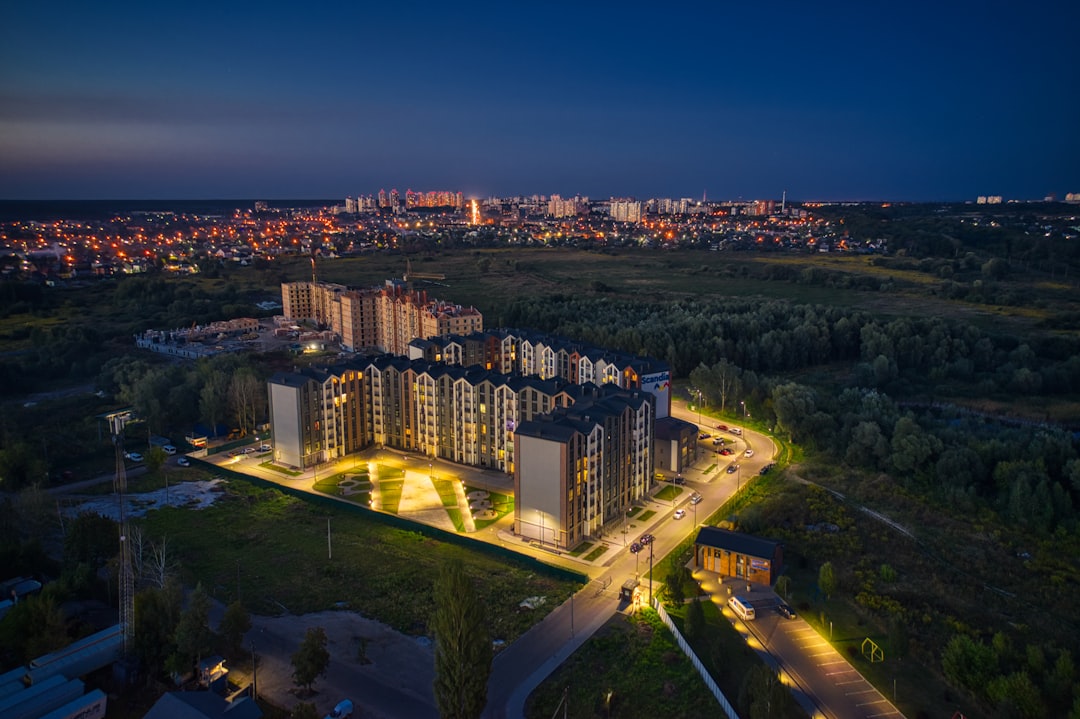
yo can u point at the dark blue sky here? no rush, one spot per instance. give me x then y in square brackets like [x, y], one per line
[828, 100]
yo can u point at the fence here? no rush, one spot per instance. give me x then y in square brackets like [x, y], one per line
[709, 683]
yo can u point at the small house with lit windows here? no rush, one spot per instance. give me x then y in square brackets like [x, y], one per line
[743, 556]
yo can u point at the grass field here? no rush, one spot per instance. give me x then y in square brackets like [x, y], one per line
[280, 545]
[631, 667]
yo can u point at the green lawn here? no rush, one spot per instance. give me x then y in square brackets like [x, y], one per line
[269, 464]
[360, 492]
[445, 488]
[390, 494]
[631, 667]
[580, 549]
[383, 472]
[595, 554]
[385, 573]
[668, 493]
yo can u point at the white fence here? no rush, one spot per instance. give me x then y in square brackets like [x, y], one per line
[724, 703]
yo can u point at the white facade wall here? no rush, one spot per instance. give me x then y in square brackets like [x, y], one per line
[539, 497]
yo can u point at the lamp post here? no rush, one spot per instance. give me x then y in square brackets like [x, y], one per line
[647, 540]
[634, 549]
[698, 391]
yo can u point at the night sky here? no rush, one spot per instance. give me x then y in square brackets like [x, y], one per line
[833, 101]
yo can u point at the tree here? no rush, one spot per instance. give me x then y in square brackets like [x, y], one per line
[157, 613]
[247, 398]
[673, 584]
[213, 398]
[234, 625]
[155, 457]
[827, 579]
[20, 466]
[33, 627]
[194, 639]
[462, 646]
[311, 659]
[695, 620]
[783, 585]
[158, 566]
[91, 538]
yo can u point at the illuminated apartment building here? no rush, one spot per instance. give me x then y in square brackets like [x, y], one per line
[575, 425]
[463, 415]
[582, 466]
[385, 319]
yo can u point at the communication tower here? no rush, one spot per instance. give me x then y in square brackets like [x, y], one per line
[117, 421]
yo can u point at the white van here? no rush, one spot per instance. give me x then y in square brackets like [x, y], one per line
[169, 449]
[743, 609]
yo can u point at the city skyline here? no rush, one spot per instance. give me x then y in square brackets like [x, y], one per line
[835, 102]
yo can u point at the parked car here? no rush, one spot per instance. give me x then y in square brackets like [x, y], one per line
[680, 513]
[785, 611]
[749, 453]
[735, 430]
[722, 427]
[727, 451]
[183, 461]
[343, 710]
[767, 468]
[695, 498]
[134, 456]
[703, 435]
[717, 441]
[732, 468]
[679, 479]
[265, 448]
[169, 449]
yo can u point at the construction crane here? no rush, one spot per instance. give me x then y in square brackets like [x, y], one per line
[410, 275]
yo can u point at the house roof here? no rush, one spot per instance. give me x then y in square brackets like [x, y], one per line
[202, 705]
[737, 542]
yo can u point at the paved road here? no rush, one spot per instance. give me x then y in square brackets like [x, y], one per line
[833, 687]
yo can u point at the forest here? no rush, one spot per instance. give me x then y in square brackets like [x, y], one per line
[941, 391]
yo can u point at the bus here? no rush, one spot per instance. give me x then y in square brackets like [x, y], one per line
[743, 609]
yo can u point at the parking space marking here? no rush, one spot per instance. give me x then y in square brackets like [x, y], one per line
[853, 681]
[842, 671]
[893, 713]
[822, 654]
[876, 701]
[838, 661]
[861, 691]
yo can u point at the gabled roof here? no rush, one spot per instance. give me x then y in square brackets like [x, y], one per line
[737, 542]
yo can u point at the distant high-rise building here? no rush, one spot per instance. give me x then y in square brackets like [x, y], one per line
[383, 202]
[395, 199]
[625, 211]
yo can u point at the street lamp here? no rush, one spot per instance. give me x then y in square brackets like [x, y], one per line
[647, 540]
[743, 405]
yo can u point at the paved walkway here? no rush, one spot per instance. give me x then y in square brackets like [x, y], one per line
[821, 678]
